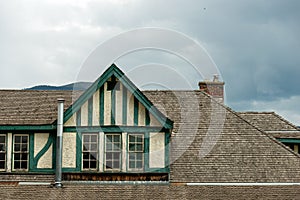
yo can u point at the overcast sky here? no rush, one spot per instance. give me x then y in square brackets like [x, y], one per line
[255, 44]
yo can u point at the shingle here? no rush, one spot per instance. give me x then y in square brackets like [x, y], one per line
[237, 151]
[29, 107]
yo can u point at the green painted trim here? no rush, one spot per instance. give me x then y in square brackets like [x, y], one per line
[90, 111]
[43, 151]
[67, 169]
[115, 129]
[114, 70]
[167, 149]
[31, 152]
[124, 105]
[136, 112]
[78, 151]
[146, 154]
[289, 140]
[78, 118]
[113, 105]
[101, 106]
[147, 117]
[42, 128]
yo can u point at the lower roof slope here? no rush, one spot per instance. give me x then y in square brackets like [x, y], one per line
[272, 123]
[32, 107]
[211, 143]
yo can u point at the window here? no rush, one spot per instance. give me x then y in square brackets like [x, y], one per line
[20, 152]
[2, 152]
[113, 148]
[89, 151]
[135, 151]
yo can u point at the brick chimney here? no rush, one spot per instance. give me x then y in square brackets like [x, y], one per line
[215, 88]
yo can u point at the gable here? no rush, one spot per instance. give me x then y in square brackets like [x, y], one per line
[114, 100]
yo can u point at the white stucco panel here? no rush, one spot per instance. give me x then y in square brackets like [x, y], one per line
[40, 140]
[157, 150]
[46, 160]
[71, 121]
[69, 150]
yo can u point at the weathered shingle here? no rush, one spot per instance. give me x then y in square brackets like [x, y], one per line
[29, 107]
[236, 150]
[272, 123]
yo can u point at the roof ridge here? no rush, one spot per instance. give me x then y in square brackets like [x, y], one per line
[255, 112]
[286, 121]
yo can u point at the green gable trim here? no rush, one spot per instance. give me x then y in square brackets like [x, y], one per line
[113, 107]
[113, 70]
[101, 106]
[78, 118]
[129, 129]
[289, 140]
[41, 128]
[124, 106]
[90, 111]
[136, 112]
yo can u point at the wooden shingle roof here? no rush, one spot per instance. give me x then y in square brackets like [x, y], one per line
[29, 107]
[207, 148]
[272, 123]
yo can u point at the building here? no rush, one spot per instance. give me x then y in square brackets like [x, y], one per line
[120, 142]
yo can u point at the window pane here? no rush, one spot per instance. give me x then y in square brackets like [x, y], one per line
[94, 147]
[139, 164]
[24, 139]
[136, 147]
[108, 156]
[17, 139]
[93, 156]
[2, 156]
[116, 138]
[108, 164]
[24, 147]
[24, 164]
[139, 156]
[90, 151]
[2, 139]
[17, 156]
[17, 147]
[86, 138]
[116, 164]
[93, 164]
[85, 155]
[24, 156]
[139, 139]
[2, 165]
[16, 164]
[108, 138]
[108, 147]
[2, 147]
[85, 164]
[139, 147]
[94, 138]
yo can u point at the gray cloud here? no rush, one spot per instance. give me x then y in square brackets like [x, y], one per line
[254, 43]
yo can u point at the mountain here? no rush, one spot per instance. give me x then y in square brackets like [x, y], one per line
[71, 86]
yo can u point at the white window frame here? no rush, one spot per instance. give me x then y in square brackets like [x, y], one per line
[21, 152]
[135, 152]
[89, 151]
[112, 151]
[4, 151]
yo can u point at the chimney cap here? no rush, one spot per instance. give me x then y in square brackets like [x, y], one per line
[60, 100]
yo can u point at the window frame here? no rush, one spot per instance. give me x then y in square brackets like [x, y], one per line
[4, 152]
[86, 151]
[129, 151]
[21, 152]
[105, 169]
